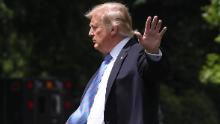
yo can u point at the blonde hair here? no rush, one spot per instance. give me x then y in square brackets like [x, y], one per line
[114, 14]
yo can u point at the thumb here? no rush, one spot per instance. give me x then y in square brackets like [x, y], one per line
[138, 35]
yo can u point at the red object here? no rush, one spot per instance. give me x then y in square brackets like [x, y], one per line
[29, 85]
[68, 85]
[67, 105]
[30, 105]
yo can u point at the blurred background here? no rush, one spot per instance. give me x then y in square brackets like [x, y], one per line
[46, 58]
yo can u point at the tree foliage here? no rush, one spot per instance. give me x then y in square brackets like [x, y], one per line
[43, 38]
[192, 107]
[210, 72]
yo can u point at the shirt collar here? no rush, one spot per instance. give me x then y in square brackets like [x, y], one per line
[117, 49]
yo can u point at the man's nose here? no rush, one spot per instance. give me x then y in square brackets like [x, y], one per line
[91, 32]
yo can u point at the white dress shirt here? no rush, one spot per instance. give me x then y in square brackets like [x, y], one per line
[96, 115]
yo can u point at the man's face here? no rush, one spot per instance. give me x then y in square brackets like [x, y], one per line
[100, 35]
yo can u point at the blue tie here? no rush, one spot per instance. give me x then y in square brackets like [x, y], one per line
[81, 114]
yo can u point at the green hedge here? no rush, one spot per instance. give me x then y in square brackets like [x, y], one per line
[189, 107]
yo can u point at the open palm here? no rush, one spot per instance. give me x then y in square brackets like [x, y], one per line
[151, 39]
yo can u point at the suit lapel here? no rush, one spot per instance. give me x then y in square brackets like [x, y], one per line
[117, 66]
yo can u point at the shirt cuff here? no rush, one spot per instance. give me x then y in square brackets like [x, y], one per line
[154, 57]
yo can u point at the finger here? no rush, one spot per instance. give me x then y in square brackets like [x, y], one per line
[158, 26]
[147, 25]
[163, 31]
[154, 23]
[138, 35]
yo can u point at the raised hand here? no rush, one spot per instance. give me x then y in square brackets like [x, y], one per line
[151, 39]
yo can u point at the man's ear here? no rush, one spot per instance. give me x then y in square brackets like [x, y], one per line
[114, 30]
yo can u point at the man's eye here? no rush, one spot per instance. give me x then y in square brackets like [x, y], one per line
[94, 28]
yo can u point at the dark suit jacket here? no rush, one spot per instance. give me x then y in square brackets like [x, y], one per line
[131, 97]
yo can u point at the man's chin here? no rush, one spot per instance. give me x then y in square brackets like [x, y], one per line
[98, 49]
[95, 46]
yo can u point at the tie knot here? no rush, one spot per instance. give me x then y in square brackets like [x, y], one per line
[107, 58]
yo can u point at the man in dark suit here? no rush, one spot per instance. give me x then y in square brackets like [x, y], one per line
[124, 95]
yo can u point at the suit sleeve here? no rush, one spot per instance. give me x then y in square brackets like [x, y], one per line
[151, 87]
